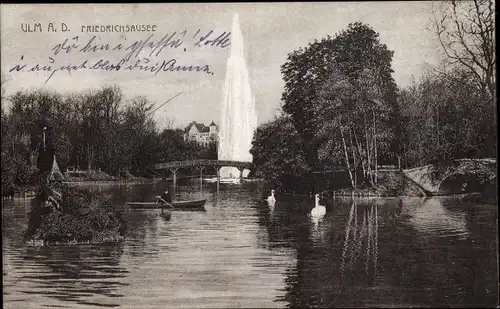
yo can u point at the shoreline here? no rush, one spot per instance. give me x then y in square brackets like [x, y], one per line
[367, 192]
[330, 195]
[371, 192]
[46, 243]
[28, 193]
[118, 181]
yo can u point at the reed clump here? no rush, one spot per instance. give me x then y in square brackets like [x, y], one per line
[77, 218]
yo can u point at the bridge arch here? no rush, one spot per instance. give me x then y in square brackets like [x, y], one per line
[446, 177]
[464, 183]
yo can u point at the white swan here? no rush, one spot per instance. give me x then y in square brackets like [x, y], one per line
[271, 199]
[318, 210]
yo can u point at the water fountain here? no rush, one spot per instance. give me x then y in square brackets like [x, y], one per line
[238, 117]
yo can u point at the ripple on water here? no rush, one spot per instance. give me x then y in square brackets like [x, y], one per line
[404, 253]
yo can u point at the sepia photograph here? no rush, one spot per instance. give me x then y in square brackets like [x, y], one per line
[249, 155]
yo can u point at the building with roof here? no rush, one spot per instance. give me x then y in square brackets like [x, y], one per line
[200, 133]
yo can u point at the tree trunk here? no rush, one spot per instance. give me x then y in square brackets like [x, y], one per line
[346, 156]
[77, 161]
[370, 145]
[358, 146]
[368, 161]
[353, 158]
[89, 159]
[437, 125]
[375, 158]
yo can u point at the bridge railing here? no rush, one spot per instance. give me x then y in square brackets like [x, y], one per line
[483, 160]
[202, 162]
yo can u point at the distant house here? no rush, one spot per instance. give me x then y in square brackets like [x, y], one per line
[200, 133]
[72, 169]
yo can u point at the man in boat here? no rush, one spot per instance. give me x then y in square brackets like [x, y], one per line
[165, 198]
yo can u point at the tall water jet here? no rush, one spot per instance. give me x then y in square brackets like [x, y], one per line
[238, 117]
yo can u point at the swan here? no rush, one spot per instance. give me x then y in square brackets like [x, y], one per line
[318, 210]
[271, 199]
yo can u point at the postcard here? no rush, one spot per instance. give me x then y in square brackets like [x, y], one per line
[249, 155]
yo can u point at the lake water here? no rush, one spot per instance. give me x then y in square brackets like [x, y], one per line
[439, 252]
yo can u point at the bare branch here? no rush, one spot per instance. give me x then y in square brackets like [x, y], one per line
[168, 122]
[466, 33]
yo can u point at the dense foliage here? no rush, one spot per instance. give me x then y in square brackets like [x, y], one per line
[277, 151]
[446, 119]
[81, 217]
[340, 99]
[93, 130]
[343, 111]
[348, 55]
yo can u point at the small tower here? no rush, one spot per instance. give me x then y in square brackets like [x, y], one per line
[213, 128]
[55, 172]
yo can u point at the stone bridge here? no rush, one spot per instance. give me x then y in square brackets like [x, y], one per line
[461, 175]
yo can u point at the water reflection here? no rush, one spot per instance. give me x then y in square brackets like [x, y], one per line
[432, 217]
[243, 253]
[316, 220]
[361, 242]
[86, 275]
[372, 253]
[346, 251]
[142, 233]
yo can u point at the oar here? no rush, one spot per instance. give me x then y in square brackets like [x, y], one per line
[159, 198]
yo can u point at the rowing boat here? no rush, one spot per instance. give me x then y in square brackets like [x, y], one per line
[178, 205]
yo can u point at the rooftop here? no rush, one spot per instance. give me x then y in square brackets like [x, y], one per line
[200, 126]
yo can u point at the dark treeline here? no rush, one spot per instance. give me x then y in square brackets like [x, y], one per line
[341, 108]
[92, 130]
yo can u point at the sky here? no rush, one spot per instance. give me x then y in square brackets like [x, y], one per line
[270, 31]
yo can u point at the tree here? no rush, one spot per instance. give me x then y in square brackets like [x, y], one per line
[354, 123]
[466, 32]
[277, 151]
[448, 119]
[168, 122]
[8, 172]
[172, 146]
[3, 84]
[94, 129]
[350, 52]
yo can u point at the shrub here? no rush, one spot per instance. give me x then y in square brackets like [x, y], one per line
[81, 218]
